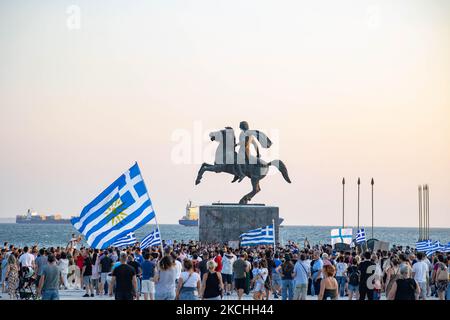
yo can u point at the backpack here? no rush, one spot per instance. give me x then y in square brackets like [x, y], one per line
[354, 277]
[443, 273]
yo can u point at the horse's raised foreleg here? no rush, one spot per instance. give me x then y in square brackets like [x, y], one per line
[255, 184]
[201, 171]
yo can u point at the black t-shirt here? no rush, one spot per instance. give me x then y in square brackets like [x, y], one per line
[365, 273]
[106, 264]
[270, 266]
[124, 278]
[88, 266]
[136, 265]
[202, 267]
[287, 269]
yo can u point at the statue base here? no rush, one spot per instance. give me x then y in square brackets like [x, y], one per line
[220, 223]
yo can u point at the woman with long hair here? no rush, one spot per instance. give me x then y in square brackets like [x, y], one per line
[165, 278]
[12, 274]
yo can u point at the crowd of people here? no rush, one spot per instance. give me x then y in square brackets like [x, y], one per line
[192, 271]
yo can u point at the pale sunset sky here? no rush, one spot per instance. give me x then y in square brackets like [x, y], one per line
[344, 88]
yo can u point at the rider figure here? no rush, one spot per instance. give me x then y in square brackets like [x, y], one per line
[244, 156]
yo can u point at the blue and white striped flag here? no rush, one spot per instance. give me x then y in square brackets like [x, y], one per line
[435, 247]
[153, 239]
[423, 246]
[264, 235]
[447, 248]
[122, 208]
[360, 236]
[128, 240]
[341, 236]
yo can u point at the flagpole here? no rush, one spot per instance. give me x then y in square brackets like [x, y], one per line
[359, 182]
[274, 235]
[420, 214]
[343, 202]
[156, 219]
[372, 183]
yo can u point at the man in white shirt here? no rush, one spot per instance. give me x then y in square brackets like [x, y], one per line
[420, 274]
[26, 259]
[227, 270]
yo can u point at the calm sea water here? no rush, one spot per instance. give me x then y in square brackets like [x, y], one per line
[59, 235]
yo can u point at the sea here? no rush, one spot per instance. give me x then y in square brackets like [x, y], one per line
[59, 235]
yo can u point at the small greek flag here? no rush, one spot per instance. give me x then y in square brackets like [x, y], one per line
[360, 236]
[153, 239]
[128, 240]
[423, 246]
[435, 247]
[122, 208]
[264, 235]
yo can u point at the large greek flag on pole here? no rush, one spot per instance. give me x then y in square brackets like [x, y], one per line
[264, 235]
[153, 239]
[341, 236]
[435, 247]
[122, 208]
[128, 240]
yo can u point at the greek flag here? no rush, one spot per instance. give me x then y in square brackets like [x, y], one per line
[435, 247]
[341, 236]
[153, 239]
[122, 208]
[360, 236]
[447, 248]
[423, 246]
[128, 240]
[264, 235]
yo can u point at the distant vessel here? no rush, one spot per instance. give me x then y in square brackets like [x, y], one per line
[191, 217]
[33, 217]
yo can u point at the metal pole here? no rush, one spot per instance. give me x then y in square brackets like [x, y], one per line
[359, 182]
[428, 212]
[274, 236]
[420, 214]
[343, 202]
[372, 183]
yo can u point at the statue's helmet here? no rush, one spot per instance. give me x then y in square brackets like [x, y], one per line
[243, 125]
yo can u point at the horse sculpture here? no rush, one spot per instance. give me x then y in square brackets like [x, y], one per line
[225, 161]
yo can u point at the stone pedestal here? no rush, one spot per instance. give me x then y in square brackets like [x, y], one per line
[220, 223]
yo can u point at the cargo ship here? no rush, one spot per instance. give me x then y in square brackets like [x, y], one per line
[190, 219]
[33, 217]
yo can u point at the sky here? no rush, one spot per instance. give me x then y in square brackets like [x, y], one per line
[343, 88]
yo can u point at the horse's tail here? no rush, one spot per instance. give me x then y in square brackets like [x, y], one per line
[281, 166]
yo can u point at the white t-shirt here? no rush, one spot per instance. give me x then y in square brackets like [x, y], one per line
[341, 268]
[227, 264]
[26, 260]
[192, 281]
[420, 270]
[178, 267]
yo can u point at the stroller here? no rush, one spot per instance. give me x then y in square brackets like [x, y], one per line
[26, 283]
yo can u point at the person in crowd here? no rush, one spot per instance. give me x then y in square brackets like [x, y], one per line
[63, 265]
[276, 276]
[440, 276]
[353, 277]
[328, 286]
[366, 269]
[212, 285]
[86, 274]
[123, 280]
[260, 279]
[227, 270]
[420, 272]
[404, 288]
[165, 278]
[287, 283]
[105, 269]
[302, 271]
[148, 273]
[189, 283]
[12, 276]
[240, 270]
[50, 280]
[137, 268]
[316, 273]
[341, 275]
